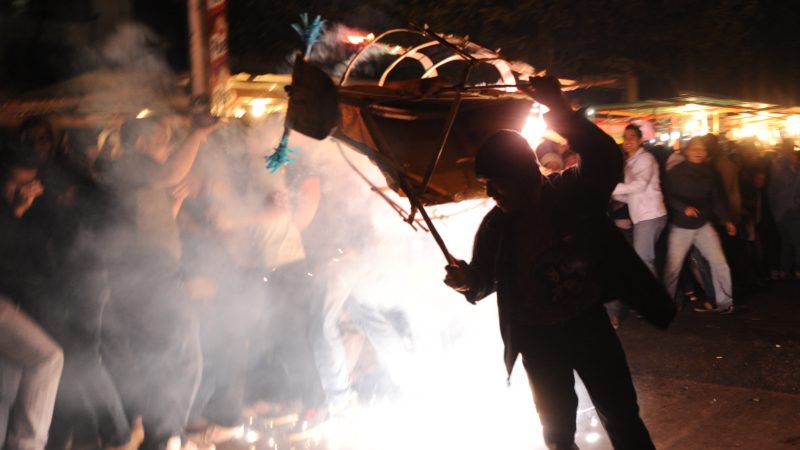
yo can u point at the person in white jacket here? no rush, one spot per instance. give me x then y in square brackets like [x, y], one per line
[641, 190]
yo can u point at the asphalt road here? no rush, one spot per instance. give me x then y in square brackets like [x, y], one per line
[721, 382]
[710, 382]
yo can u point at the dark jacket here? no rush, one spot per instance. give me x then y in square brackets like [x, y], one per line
[587, 260]
[694, 185]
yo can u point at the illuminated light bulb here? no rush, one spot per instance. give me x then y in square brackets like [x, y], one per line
[675, 135]
[258, 107]
[258, 110]
[664, 137]
[590, 112]
[251, 436]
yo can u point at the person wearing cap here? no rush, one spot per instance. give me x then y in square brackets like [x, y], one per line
[553, 256]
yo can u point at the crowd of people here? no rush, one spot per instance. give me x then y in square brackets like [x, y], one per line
[552, 255]
[148, 273]
[715, 220]
[156, 279]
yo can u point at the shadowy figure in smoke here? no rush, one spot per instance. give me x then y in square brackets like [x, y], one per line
[554, 257]
[69, 290]
[342, 245]
[151, 342]
[30, 360]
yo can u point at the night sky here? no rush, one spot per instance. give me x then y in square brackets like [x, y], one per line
[742, 48]
[746, 49]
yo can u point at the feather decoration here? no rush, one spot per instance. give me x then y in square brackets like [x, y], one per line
[280, 157]
[309, 32]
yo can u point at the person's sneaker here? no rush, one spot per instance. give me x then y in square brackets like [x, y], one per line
[730, 310]
[704, 307]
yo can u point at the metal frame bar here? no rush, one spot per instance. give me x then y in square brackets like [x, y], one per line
[412, 197]
[352, 62]
[451, 120]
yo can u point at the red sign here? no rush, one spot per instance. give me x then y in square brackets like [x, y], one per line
[219, 73]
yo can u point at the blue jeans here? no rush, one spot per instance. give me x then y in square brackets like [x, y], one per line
[706, 240]
[645, 236]
[342, 292]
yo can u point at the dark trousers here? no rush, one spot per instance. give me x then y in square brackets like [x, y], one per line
[589, 346]
[226, 325]
[280, 362]
[88, 407]
[151, 345]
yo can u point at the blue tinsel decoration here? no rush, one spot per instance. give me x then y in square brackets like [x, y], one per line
[309, 32]
[281, 155]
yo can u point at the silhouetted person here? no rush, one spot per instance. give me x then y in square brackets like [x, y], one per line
[553, 256]
[151, 342]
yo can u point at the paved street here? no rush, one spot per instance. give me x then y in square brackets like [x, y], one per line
[710, 382]
[721, 382]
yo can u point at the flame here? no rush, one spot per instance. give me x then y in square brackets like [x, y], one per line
[360, 39]
[535, 127]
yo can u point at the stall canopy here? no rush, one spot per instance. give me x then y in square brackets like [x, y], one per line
[688, 115]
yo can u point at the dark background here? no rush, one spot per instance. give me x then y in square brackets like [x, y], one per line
[747, 49]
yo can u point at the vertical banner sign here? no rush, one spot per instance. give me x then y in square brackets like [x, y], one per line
[219, 72]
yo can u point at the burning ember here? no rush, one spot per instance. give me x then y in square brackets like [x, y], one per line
[359, 39]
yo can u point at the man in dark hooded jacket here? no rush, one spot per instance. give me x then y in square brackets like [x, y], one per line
[553, 257]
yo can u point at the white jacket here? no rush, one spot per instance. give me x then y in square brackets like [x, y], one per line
[641, 189]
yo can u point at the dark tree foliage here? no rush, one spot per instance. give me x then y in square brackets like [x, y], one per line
[744, 48]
